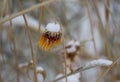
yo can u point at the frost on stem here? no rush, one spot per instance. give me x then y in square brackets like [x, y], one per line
[51, 37]
[91, 64]
[98, 62]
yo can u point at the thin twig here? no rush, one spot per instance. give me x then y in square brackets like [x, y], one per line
[112, 15]
[92, 33]
[0, 75]
[108, 29]
[108, 45]
[30, 41]
[89, 65]
[27, 10]
[52, 14]
[3, 8]
[14, 45]
[40, 22]
[40, 15]
[101, 29]
[108, 69]
[65, 58]
[1, 15]
[92, 30]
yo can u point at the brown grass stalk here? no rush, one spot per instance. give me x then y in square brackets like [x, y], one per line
[0, 75]
[40, 15]
[30, 42]
[27, 10]
[108, 45]
[107, 28]
[14, 44]
[3, 9]
[65, 58]
[92, 29]
[40, 22]
[92, 33]
[2, 12]
[101, 28]
[110, 68]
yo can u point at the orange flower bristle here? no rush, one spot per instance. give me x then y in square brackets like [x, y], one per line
[48, 40]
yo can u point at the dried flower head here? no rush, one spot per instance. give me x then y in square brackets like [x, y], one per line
[51, 36]
[72, 47]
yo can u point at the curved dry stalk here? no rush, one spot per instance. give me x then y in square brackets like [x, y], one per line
[14, 45]
[27, 10]
[30, 41]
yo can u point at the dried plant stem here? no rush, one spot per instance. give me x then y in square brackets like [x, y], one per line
[92, 33]
[92, 30]
[64, 12]
[40, 22]
[16, 60]
[26, 10]
[1, 16]
[14, 45]
[85, 67]
[30, 41]
[108, 45]
[101, 28]
[40, 15]
[52, 14]
[3, 8]
[116, 60]
[107, 29]
[65, 59]
[0, 75]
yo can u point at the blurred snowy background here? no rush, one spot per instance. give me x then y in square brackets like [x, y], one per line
[102, 41]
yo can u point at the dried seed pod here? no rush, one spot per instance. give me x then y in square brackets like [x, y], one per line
[72, 47]
[51, 37]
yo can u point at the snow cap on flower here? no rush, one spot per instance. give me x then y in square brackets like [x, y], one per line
[53, 27]
[72, 49]
[72, 46]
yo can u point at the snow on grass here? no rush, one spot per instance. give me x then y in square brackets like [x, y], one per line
[98, 62]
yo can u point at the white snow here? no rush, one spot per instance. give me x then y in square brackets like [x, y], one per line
[70, 43]
[98, 62]
[73, 42]
[73, 45]
[71, 78]
[40, 68]
[53, 27]
[19, 21]
[71, 50]
[77, 43]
